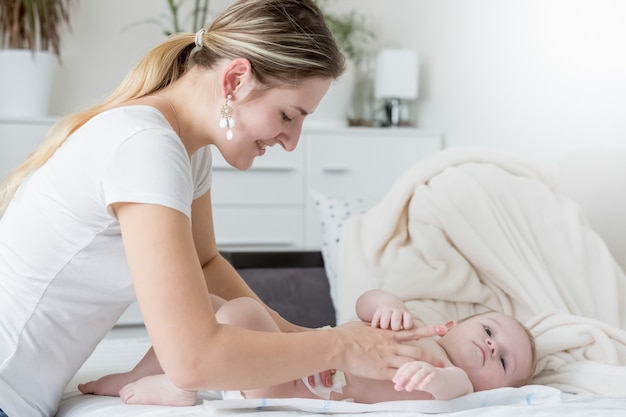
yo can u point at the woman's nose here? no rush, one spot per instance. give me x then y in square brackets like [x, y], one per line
[289, 140]
[290, 143]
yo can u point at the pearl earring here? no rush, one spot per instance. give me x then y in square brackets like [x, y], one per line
[226, 118]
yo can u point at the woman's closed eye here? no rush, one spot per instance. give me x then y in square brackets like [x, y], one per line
[286, 118]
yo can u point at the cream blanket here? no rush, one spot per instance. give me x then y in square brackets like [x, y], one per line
[474, 229]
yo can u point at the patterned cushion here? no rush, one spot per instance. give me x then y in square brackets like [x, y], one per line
[333, 213]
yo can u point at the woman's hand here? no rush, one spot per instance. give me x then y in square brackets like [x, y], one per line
[376, 353]
[419, 332]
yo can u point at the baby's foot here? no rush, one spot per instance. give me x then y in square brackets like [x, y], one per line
[107, 385]
[156, 390]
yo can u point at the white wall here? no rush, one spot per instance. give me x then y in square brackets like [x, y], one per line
[536, 76]
[106, 40]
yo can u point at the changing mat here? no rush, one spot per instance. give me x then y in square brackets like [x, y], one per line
[119, 354]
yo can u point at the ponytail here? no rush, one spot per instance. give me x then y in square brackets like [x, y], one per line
[285, 41]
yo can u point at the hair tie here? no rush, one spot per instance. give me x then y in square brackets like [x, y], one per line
[199, 38]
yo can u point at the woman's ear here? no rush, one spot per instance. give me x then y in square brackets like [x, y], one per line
[237, 78]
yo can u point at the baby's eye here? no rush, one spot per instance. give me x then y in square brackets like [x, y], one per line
[488, 331]
[503, 362]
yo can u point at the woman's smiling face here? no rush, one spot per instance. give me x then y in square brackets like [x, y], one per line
[273, 117]
[492, 348]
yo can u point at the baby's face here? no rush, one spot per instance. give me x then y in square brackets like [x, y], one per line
[492, 348]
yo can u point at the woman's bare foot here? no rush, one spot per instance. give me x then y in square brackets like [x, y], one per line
[107, 385]
[157, 390]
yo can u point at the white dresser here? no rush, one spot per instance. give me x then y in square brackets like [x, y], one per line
[270, 205]
[263, 206]
[18, 138]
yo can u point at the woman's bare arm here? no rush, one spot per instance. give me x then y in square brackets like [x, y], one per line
[198, 353]
[221, 278]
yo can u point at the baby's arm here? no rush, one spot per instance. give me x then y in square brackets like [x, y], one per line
[441, 383]
[384, 310]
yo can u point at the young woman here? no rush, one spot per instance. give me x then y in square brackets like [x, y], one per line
[115, 206]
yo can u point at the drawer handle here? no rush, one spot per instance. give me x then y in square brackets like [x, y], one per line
[336, 170]
[253, 168]
[254, 242]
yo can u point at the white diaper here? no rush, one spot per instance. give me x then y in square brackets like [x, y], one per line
[232, 395]
[339, 381]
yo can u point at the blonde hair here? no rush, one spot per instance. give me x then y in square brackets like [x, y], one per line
[284, 40]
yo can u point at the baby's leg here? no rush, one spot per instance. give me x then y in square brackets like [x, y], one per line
[247, 313]
[149, 365]
[157, 390]
[112, 384]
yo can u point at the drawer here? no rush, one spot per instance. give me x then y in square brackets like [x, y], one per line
[352, 164]
[18, 138]
[277, 227]
[276, 178]
[363, 164]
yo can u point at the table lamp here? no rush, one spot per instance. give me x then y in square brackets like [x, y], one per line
[397, 78]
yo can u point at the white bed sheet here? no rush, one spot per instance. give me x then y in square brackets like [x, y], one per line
[120, 353]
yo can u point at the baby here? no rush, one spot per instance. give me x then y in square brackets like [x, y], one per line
[480, 352]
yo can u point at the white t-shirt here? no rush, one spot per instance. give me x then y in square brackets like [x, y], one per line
[64, 278]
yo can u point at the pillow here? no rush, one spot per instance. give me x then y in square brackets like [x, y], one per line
[333, 213]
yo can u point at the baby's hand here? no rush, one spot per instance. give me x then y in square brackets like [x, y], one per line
[418, 376]
[393, 318]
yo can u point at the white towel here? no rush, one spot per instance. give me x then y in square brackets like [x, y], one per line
[475, 229]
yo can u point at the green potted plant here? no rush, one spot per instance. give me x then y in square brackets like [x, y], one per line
[350, 30]
[198, 16]
[182, 16]
[354, 37]
[30, 45]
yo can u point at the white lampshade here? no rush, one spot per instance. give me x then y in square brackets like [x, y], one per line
[397, 74]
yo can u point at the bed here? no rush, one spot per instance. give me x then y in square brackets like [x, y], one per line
[577, 306]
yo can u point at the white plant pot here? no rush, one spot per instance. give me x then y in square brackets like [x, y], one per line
[25, 82]
[333, 110]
